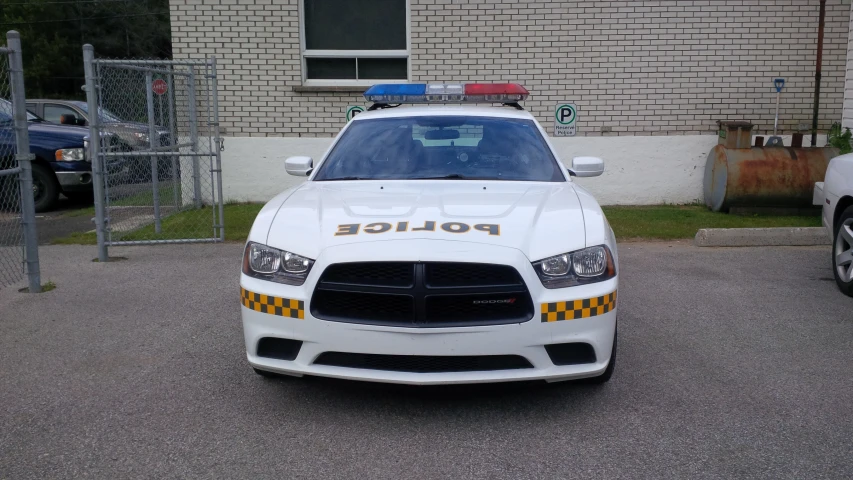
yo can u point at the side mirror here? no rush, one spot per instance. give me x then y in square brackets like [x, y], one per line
[299, 166]
[587, 166]
[68, 119]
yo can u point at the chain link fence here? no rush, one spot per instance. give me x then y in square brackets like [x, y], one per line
[18, 241]
[159, 153]
[11, 230]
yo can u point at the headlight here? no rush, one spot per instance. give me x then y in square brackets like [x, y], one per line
[71, 155]
[140, 137]
[590, 265]
[267, 263]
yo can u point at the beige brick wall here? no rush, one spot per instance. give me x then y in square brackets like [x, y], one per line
[638, 67]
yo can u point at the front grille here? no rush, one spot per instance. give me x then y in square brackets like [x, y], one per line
[423, 363]
[385, 274]
[359, 306]
[430, 294]
[487, 307]
[446, 275]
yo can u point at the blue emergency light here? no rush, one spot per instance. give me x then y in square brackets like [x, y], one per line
[446, 93]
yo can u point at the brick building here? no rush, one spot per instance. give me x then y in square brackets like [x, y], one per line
[652, 76]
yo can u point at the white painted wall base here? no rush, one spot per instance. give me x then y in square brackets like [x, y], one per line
[643, 170]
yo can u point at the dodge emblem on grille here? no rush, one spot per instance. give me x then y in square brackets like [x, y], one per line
[505, 300]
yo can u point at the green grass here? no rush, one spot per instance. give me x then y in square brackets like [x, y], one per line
[142, 198]
[44, 288]
[188, 224]
[670, 222]
[656, 222]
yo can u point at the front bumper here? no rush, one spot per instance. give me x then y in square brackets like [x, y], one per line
[527, 339]
[75, 181]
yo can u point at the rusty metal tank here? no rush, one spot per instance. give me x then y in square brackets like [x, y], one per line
[764, 176]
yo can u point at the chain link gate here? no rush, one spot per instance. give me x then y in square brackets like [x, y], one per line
[158, 157]
[18, 239]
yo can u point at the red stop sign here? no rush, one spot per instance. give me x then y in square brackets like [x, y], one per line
[159, 86]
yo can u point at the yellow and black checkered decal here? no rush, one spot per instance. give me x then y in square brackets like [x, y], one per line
[574, 309]
[283, 307]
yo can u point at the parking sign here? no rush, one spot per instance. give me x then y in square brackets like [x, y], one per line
[353, 110]
[565, 120]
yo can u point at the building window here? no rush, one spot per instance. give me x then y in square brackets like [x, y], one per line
[355, 42]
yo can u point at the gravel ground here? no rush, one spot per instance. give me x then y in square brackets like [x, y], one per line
[733, 363]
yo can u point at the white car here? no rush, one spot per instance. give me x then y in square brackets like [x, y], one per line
[837, 195]
[434, 244]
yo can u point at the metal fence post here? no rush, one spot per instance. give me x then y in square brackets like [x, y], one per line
[94, 148]
[173, 139]
[28, 210]
[152, 134]
[194, 138]
[217, 147]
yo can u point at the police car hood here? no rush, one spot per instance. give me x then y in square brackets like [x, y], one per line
[540, 219]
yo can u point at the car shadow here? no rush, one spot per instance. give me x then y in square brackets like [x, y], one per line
[498, 397]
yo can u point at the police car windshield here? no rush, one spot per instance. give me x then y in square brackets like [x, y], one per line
[441, 147]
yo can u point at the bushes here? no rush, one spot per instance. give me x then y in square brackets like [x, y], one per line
[841, 141]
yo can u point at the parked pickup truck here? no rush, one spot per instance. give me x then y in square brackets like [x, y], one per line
[129, 134]
[61, 163]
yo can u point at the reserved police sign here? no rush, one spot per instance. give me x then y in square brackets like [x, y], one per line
[565, 121]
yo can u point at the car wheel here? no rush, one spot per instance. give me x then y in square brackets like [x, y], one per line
[45, 188]
[608, 372]
[842, 252]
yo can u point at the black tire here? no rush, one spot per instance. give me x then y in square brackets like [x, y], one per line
[843, 242]
[45, 188]
[608, 372]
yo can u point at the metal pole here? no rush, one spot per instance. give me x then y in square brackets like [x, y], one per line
[217, 148]
[194, 139]
[817, 74]
[212, 146]
[25, 177]
[152, 134]
[776, 122]
[173, 137]
[94, 147]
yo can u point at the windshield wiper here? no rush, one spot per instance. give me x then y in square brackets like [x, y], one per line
[345, 178]
[452, 176]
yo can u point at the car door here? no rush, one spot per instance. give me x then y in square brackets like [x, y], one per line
[53, 112]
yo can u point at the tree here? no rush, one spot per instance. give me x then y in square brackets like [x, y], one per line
[54, 31]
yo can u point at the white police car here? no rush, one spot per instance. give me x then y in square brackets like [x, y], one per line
[835, 195]
[433, 245]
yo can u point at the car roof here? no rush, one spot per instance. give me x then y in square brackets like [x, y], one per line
[53, 100]
[444, 110]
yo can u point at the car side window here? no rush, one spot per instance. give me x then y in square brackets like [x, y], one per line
[54, 112]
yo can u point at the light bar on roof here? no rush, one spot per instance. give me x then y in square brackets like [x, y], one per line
[446, 93]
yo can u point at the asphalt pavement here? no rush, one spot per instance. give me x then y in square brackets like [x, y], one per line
[733, 363]
[64, 220]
